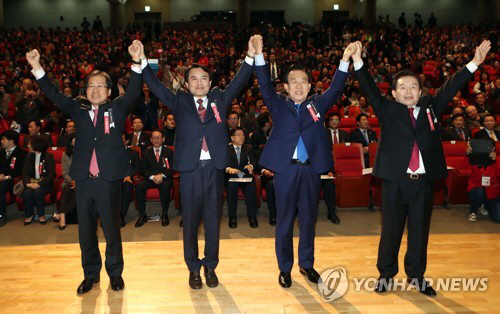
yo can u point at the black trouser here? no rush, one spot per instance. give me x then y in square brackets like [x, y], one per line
[268, 184]
[5, 187]
[164, 189]
[201, 196]
[68, 199]
[35, 198]
[250, 197]
[95, 198]
[127, 188]
[407, 199]
[328, 188]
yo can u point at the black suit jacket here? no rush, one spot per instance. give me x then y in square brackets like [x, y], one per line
[112, 158]
[357, 137]
[189, 127]
[135, 162]
[151, 167]
[397, 131]
[48, 169]
[484, 135]
[451, 134]
[144, 140]
[13, 165]
[343, 136]
[62, 140]
[246, 158]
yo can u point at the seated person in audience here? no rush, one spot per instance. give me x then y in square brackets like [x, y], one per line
[138, 137]
[328, 188]
[481, 105]
[11, 165]
[169, 130]
[484, 188]
[454, 111]
[233, 121]
[458, 132]
[55, 122]
[474, 119]
[489, 129]
[68, 192]
[38, 176]
[336, 135]
[156, 164]
[363, 135]
[28, 103]
[62, 141]
[128, 181]
[361, 107]
[241, 164]
[34, 128]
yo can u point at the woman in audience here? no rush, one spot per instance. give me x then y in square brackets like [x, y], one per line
[38, 176]
[68, 194]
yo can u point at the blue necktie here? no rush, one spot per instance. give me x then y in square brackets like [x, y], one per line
[301, 148]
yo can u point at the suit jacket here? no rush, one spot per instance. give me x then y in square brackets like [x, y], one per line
[397, 131]
[144, 140]
[246, 158]
[278, 70]
[5, 163]
[451, 134]
[48, 169]
[112, 158]
[484, 135]
[135, 162]
[189, 127]
[151, 167]
[358, 137]
[343, 136]
[288, 127]
[62, 140]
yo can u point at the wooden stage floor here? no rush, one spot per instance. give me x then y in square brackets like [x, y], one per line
[43, 279]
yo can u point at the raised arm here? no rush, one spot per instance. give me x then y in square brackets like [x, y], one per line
[266, 86]
[134, 88]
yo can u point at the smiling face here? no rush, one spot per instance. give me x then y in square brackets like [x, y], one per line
[97, 90]
[298, 86]
[198, 82]
[407, 91]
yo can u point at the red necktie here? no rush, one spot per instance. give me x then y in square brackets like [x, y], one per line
[94, 168]
[335, 140]
[201, 113]
[157, 154]
[414, 161]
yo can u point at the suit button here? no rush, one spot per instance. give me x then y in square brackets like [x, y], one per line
[95, 138]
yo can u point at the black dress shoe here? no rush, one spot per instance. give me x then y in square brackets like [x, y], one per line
[253, 222]
[164, 220]
[334, 218]
[272, 221]
[311, 273]
[195, 280]
[122, 221]
[86, 285]
[382, 285]
[117, 283]
[181, 224]
[141, 221]
[423, 286]
[232, 222]
[285, 279]
[210, 277]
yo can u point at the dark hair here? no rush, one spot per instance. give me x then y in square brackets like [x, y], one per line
[233, 131]
[232, 112]
[197, 66]
[262, 119]
[403, 73]
[136, 117]
[69, 145]
[11, 135]
[37, 123]
[38, 143]
[97, 73]
[453, 117]
[358, 118]
[297, 67]
[488, 115]
[332, 115]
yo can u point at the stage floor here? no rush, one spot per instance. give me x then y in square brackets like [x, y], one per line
[44, 278]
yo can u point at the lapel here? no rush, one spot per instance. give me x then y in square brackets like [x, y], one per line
[421, 118]
[290, 105]
[209, 113]
[362, 137]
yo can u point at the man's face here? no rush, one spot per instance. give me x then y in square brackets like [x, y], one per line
[157, 139]
[198, 82]
[137, 125]
[264, 109]
[298, 86]
[33, 128]
[272, 57]
[26, 83]
[489, 123]
[258, 104]
[458, 123]
[6, 144]
[232, 121]
[333, 122]
[236, 108]
[319, 86]
[70, 127]
[480, 99]
[67, 92]
[238, 138]
[471, 112]
[97, 90]
[170, 121]
[280, 88]
[407, 91]
[362, 102]
[363, 123]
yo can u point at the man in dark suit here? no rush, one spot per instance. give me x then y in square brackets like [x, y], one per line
[100, 162]
[138, 137]
[458, 131]
[409, 160]
[62, 141]
[489, 129]
[241, 165]
[156, 167]
[297, 152]
[334, 134]
[201, 156]
[274, 68]
[363, 135]
[34, 128]
[11, 165]
[169, 130]
[128, 181]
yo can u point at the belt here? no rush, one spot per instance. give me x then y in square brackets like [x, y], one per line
[298, 162]
[415, 176]
[93, 177]
[204, 162]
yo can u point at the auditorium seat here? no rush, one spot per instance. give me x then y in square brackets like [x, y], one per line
[456, 184]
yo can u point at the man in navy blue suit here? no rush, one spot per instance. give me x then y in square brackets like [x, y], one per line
[201, 156]
[297, 151]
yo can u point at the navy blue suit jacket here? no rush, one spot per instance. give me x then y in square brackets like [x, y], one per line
[189, 127]
[287, 127]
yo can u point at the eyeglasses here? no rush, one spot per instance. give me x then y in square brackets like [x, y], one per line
[99, 87]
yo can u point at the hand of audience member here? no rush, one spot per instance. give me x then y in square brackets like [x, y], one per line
[33, 58]
[267, 173]
[2, 177]
[158, 179]
[365, 149]
[481, 52]
[127, 179]
[356, 56]
[249, 168]
[232, 170]
[258, 44]
[469, 148]
[73, 184]
[135, 50]
[349, 51]
[175, 83]
[330, 174]
[35, 186]
[493, 155]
